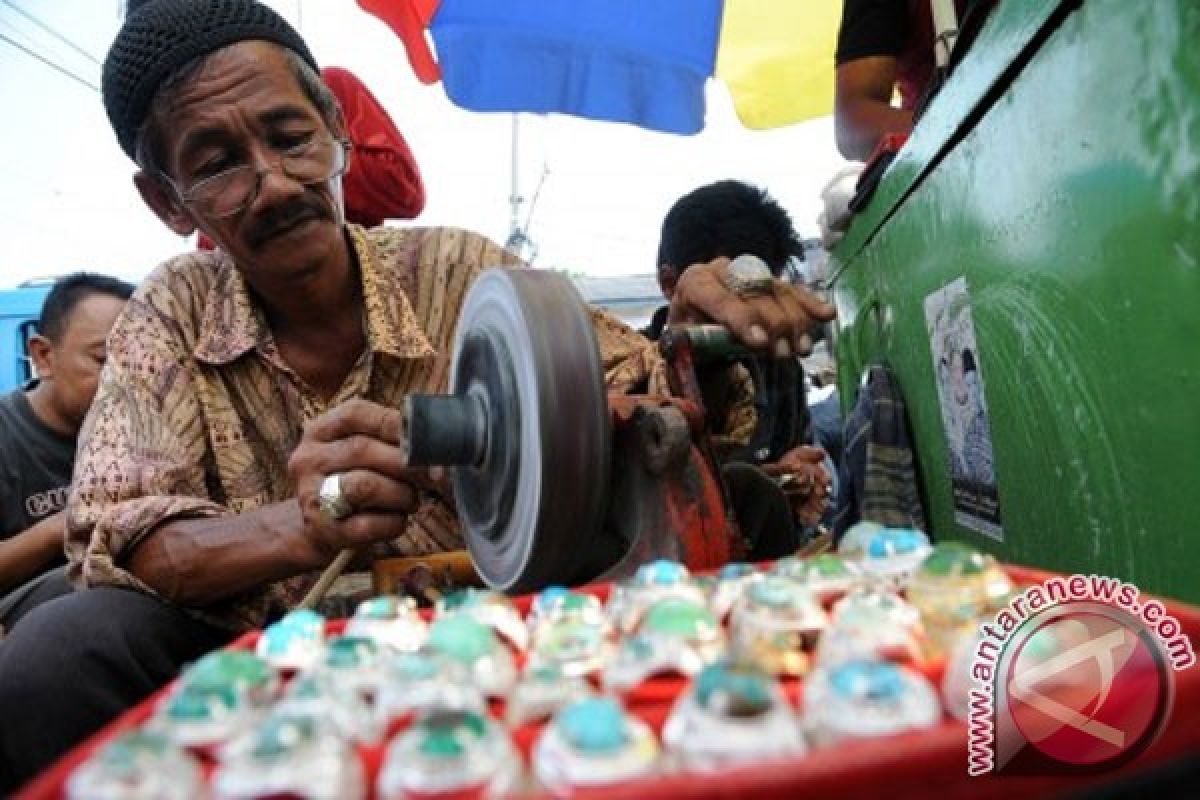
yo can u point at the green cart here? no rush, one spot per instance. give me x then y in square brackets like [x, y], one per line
[1029, 268]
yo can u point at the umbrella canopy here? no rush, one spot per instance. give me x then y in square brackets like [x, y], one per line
[632, 61]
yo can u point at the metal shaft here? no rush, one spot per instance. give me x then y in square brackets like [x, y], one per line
[445, 430]
[708, 343]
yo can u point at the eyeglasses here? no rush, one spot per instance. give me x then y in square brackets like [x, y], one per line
[228, 192]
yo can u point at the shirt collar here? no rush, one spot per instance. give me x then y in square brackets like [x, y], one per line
[233, 324]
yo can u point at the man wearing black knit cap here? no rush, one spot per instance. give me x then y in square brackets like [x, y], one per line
[246, 426]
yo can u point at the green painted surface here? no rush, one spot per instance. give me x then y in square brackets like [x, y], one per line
[1072, 208]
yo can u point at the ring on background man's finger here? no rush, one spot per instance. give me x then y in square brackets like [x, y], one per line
[748, 275]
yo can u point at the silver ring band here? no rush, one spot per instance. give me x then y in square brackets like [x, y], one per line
[334, 505]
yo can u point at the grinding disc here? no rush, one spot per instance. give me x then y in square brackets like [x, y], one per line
[526, 351]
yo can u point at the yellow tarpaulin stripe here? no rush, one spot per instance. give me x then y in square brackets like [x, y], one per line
[776, 57]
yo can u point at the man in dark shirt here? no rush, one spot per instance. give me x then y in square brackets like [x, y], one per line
[731, 218]
[883, 46]
[38, 426]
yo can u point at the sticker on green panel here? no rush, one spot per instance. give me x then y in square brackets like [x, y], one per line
[963, 400]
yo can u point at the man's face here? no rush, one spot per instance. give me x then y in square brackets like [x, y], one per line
[70, 366]
[245, 106]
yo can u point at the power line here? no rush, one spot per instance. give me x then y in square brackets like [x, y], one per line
[52, 32]
[53, 65]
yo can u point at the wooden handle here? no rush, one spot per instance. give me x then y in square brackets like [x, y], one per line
[331, 574]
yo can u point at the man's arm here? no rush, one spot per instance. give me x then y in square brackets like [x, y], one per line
[143, 505]
[871, 37]
[27, 553]
[197, 562]
[863, 111]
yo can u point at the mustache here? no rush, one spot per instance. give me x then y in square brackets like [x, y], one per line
[278, 219]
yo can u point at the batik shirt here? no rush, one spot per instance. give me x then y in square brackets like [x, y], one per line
[197, 411]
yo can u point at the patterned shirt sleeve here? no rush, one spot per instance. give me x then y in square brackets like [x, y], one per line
[142, 449]
[631, 362]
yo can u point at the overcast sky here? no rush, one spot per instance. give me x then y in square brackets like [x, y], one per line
[68, 201]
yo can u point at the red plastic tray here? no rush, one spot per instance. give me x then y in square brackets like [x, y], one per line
[925, 764]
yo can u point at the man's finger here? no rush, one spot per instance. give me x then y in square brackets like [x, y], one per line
[802, 457]
[776, 469]
[369, 491]
[808, 455]
[798, 319]
[814, 307]
[364, 452]
[363, 529]
[806, 310]
[356, 417]
[779, 322]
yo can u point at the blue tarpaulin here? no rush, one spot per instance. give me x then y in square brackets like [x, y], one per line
[643, 62]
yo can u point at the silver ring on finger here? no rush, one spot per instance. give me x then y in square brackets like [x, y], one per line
[331, 500]
[748, 276]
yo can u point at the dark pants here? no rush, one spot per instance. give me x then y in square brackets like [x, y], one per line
[26, 598]
[762, 512]
[76, 662]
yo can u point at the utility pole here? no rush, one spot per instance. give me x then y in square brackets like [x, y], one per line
[518, 241]
[514, 196]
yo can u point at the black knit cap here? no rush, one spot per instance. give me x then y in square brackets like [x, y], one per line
[160, 36]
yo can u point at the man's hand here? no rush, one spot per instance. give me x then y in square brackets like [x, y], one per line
[197, 562]
[359, 441]
[804, 480]
[777, 321]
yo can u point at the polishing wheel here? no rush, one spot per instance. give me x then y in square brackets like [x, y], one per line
[525, 429]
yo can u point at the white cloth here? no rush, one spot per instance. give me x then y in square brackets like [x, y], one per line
[836, 196]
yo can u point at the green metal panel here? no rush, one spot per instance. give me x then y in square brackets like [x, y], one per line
[1072, 207]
